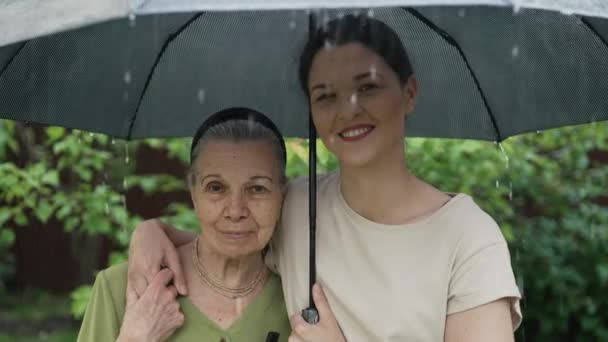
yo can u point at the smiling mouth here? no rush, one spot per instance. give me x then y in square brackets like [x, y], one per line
[356, 133]
[237, 235]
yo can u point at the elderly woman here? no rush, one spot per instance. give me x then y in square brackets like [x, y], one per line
[236, 182]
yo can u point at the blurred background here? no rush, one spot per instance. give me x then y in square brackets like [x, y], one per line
[69, 201]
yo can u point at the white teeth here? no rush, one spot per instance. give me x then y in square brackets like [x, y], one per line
[355, 132]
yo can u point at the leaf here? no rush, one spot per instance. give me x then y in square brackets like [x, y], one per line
[7, 237]
[5, 215]
[20, 219]
[44, 211]
[51, 178]
[54, 133]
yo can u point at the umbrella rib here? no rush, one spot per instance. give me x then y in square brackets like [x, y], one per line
[450, 40]
[594, 31]
[10, 61]
[170, 39]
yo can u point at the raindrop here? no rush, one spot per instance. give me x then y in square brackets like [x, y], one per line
[201, 96]
[113, 141]
[515, 51]
[125, 184]
[538, 131]
[91, 134]
[132, 19]
[370, 13]
[126, 153]
[504, 154]
[326, 19]
[462, 12]
[497, 184]
[520, 284]
[328, 45]
[124, 205]
[511, 191]
[373, 72]
[516, 6]
[292, 24]
[127, 77]
[125, 96]
[340, 15]
[107, 208]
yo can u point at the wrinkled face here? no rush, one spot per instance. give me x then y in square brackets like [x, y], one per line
[237, 196]
[358, 103]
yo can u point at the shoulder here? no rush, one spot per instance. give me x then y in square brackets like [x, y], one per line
[113, 280]
[298, 188]
[465, 220]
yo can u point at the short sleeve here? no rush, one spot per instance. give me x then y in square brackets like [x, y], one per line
[482, 272]
[101, 322]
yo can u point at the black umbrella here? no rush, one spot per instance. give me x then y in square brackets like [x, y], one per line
[484, 72]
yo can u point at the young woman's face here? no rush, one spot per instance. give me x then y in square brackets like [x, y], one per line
[237, 196]
[358, 103]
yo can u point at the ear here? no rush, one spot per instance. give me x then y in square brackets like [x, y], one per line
[190, 178]
[410, 90]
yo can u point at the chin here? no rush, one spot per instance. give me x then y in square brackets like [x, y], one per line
[235, 251]
[355, 158]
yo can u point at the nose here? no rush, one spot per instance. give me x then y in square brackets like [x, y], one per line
[236, 208]
[350, 107]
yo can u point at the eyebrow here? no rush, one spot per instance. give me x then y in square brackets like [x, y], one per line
[215, 175]
[262, 177]
[319, 86]
[357, 77]
[366, 75]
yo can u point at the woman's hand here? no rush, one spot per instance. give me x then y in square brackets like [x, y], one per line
[326, 330]
[149, 250]
[155, 315]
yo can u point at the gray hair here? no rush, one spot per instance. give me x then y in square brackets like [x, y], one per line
[239, 131]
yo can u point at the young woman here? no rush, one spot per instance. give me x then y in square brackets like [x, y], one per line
[397, 259]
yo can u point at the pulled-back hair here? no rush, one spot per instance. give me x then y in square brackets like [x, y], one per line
[236, 125]
[372, 33]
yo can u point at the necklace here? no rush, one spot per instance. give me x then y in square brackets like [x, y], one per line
[217, 286]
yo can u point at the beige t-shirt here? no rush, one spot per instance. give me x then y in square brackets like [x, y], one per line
[393, 283]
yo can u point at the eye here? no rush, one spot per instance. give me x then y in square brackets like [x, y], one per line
[214, 188]
[258, 189]
[325, 97]
[367, 87]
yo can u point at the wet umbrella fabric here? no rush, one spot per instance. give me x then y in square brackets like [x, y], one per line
[484, 72]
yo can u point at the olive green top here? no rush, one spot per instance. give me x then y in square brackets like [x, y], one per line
[106, 309]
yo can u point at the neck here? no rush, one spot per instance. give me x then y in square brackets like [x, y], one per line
[372, 188]
[230, 272]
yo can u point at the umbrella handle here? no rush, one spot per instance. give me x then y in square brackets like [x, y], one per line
[311, 315]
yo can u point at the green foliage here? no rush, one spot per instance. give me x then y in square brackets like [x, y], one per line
[80, 298]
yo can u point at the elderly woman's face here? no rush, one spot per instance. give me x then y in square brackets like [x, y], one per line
[237, 196]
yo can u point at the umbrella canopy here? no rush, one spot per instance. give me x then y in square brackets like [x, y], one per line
[485, 72]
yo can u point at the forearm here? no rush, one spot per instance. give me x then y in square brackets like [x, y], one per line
[178, 237]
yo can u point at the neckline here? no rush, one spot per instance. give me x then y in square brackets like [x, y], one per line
[254, 309]
[415, 225]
